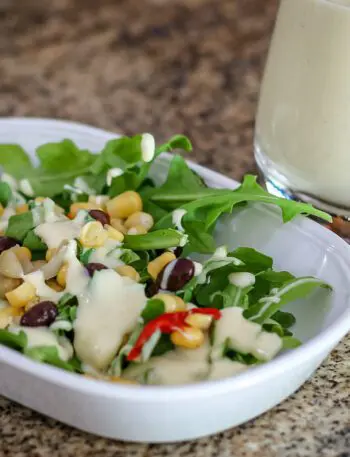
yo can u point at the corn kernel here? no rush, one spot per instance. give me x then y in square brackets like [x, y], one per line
[93, 235]
[50, 253]
[1, 210]
[8, 284]
[124, 205]
[189, 338]
[137, 230]
[118, 225]
[87, 206]
[140, 218]
[22, 253]
[114, 234]
[20, 209]
[171, 302]
[62, 276]
[201, 321]
[122, 380]
[54, 285]
[157, 265]
[130, 272]
[22, 295]
[6, 316]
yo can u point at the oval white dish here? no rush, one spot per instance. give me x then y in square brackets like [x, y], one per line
[164, 414]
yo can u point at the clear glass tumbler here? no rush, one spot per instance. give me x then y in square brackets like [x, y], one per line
[302, 136]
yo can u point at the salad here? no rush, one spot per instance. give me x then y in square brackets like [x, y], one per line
[97, 269]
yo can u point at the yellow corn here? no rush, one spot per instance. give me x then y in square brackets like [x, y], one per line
[118, 225]
[140, 218]
[50, 253]
[6, 316]
[1, 210]
[114, 234]
[171, 302]
[22, 253]
[20, 209]
[130, 272]
[54, 285]
[8, 284]
[124, 205]
[62, 275]
[157, 265]
[87, 206]
[201, 321]
[121, 380]
[189, 338]
[137, 230]
[22, 295]
[93, 235]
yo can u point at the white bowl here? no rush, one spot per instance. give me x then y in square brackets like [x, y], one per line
[164, 414]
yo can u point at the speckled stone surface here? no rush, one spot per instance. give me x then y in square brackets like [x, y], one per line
[166, 66]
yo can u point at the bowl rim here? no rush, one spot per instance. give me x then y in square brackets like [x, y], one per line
[313, 348]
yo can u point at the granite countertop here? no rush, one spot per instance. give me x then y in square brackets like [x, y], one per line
[165, 66]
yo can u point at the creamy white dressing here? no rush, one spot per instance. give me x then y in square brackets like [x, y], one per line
[10, 180]
[26, 187]
[109, 254]
[43, 291]
[113, 173]
[108, 309]
[166, 274]
[181, 366]
[77, 278]
[198, 268]
[148, 147]
[67, 326]
[243, 336]
[177, 216]
[82, 185]
[42, 336]
[225, 368]
[242, 279]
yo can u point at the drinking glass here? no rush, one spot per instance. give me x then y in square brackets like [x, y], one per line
[302, 136]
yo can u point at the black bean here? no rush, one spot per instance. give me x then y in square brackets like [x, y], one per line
[151, 289]
[93, 267]
[42, 314]
[100, 216]
[176, 274]
[7, 242]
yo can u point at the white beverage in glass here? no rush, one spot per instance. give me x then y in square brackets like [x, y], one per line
[302, 137]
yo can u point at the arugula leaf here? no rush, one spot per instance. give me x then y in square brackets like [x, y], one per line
[15, 161]
[67, 307]
[160, 239]
[290, 342]
[16, 341]
[254, 261]
[33, 242]
[5, 193]
[63, 156]
[153, 309]
[49, 355]
[128, 256]
[19, 225]
[290, 291]
[286, 320]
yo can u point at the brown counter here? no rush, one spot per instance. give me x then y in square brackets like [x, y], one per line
[164, 66]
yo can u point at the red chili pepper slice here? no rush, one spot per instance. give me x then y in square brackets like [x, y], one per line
[167, 323]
